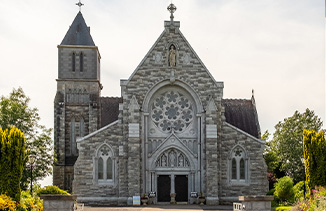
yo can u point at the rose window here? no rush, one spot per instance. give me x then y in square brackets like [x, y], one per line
[172, 111]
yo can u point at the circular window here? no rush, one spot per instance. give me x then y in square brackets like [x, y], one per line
[172, 111]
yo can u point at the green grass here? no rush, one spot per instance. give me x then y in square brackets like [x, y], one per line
[280, 208]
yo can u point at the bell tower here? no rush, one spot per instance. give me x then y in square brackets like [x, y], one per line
[76, 104]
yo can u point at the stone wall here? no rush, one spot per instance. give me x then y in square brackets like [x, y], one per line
[85, 185]
[256, 183]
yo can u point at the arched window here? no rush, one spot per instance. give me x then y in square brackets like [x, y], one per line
[82, 127]
[73, 62]
[105, 165]
[73, 147]
[234, 169]
[238, 165]
[81, 61]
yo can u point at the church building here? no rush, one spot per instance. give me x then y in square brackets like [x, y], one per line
[170, 135]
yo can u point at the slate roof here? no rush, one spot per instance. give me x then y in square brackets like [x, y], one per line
[243, 115]
[238, 112]
[78, 33]
[109, 109]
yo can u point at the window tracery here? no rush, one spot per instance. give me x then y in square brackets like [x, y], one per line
[105, 169]
[238, 165]
[172, 111]
[172, 158]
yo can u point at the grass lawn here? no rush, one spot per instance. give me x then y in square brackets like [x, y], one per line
[280, 208]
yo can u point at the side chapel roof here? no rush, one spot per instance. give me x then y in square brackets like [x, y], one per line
[78, 33]
[109, 109]
[242, 114]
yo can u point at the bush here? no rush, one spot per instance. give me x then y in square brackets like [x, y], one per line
[30, 203]
[6, 204]
[316, 202]
[284, 189]
[12, 161]
[51, 190]
[298, 190]
[270, 192]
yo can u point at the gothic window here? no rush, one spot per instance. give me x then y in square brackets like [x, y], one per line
[73, 65]
[82, 127]
[105, 165]
[73, 137]
[172, 111]
[238, 165]
[81, 61]
[172, 158]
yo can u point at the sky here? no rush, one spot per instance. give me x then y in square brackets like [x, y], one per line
[275, 47]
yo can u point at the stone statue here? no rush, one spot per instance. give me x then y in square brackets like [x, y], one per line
[172, 159]
[163, 161]
[172, 56]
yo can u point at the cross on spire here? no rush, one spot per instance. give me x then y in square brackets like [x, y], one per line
[172, 9]
[79, 4]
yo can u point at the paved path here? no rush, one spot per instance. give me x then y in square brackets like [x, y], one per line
[161, 208]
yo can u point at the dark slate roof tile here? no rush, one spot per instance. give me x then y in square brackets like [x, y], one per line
[78, 33]
[109, 109]
[243, 115]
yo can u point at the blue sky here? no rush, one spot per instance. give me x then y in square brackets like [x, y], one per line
[276, 47]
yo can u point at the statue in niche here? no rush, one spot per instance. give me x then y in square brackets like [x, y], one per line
[172, 56]
[181, 161]
[163, 161]
[172, 159]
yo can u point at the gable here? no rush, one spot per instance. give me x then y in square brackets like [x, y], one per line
[188, 68]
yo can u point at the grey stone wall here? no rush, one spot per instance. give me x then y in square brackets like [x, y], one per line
[91, 59]
[84, 185]
[257, 183]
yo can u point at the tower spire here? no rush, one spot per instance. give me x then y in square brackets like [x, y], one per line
[79, 4]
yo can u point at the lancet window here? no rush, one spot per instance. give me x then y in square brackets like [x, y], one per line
[105, 166]
[238, 165]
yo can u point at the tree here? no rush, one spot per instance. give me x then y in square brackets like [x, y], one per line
[12, 161]
[314, 148]
[14, 110]
[287, 141]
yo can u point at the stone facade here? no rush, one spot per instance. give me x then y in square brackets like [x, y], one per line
[171, 131]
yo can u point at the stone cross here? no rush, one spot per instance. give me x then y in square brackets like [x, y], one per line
[79, 4]
[172, 9]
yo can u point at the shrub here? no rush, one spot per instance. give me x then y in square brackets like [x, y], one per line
[6, 204]
[298, 190]
[316, 202]
[270, 192]
[30, 203]
[12, 161]
[314, 147]
[51, 190]
[284, 189]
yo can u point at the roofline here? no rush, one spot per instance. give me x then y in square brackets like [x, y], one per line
[261, 141]
[97, 131]
[78, 46]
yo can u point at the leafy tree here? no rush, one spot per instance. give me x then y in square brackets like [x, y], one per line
[12, 161]
[14, 110]
[287, 141]
[314, 147]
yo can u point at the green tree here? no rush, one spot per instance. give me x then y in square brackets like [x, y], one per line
[287, 142]
[15, 110]
[314, 148]
[12, 161]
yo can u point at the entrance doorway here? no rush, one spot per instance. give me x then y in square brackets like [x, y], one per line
[181, 188]
[163, 188]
